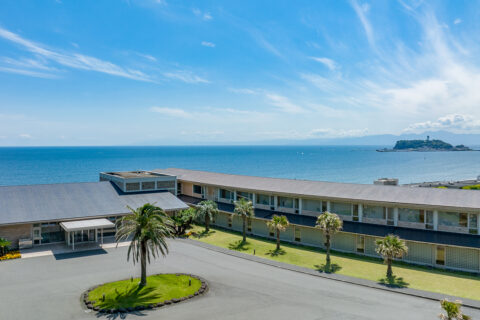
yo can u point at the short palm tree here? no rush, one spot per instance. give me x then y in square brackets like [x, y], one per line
[4, 243]
[453, 310]
[149, 227]
[206, 210]
[389, 248]
[330, 224]
[278, 224]
[244, 208]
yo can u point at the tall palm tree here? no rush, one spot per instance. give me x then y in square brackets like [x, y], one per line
[244, 208]
[4, 243]
[149, 227]
[278, 224]
[389, 248]
[330, 224]
[206, 210]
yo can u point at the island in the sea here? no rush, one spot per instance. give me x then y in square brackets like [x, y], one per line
[424, 145]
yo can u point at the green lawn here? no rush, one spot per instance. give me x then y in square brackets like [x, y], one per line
[127, 293]
[452, 283]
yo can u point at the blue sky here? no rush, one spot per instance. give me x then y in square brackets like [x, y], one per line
[208, 72]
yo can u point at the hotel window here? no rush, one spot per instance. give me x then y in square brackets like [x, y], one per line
[355, 212]
[324, 206]
[148, 185]
[344, 209]
[360, 244]
[263, 199]
[230, 218]
[390, 216]
[132, 186]
[429, 220]
[225, 194]
[411, 215]
[285, 202]
[374, 212]
[473, 223]
[312, 205]
[452, 219]
[440, 256]
[197, 189]
[298, 234]
[36, 233]
[249, 225]
[179, 188]
[246, 195]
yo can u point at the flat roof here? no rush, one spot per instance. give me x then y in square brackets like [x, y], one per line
[69, 201]
[134, 174]
[86, 224]
[394, 195]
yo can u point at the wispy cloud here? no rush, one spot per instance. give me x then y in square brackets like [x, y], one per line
[283, 103]
[185, 76]
[337, 133]
[171, 112]
[25, 136]
[361, 11]
[206, 16]
[72, 60]
[457, 21]
[208, 44]
[329, 63]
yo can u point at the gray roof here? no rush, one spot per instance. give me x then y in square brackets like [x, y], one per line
[398, 195]
[66, 201]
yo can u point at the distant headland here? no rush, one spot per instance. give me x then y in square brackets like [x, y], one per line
[425, 146]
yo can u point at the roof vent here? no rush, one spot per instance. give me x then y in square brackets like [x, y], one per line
[386, 182]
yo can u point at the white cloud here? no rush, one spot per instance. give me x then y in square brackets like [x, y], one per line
[185, 76]
[361, 11]
[171, 112]
[73, 60]
[454, 122]
[243, 90]
[206, 16]
[338, 133]
[25, 136]
[208, 44]
[329, 63]
[457, 21]
[283, 103]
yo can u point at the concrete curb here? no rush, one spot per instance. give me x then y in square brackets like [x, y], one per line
[346, 279]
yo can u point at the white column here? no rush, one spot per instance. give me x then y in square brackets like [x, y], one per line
[234, 195]
[254, 198]
[435, 219]
[360, 212]
[102, 235]
[275, 202]
[395, 216]
[328, 206]
[96, 235]
[73, 241]
[299, 205]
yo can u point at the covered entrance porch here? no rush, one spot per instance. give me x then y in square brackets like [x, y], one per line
[83, 231]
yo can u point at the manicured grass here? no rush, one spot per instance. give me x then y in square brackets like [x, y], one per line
[127, 293]
[453, 283]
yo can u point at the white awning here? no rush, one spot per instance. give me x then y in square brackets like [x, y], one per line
[87, 224]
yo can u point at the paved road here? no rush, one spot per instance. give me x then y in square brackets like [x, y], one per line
[50, 288]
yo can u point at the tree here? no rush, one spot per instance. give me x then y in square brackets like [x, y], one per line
[4, 243]
[244, 208]
[206, 210]
[183, 220]
[278, 224]
[148, 227]
[389, 248]
[330, 224]
[453, 310]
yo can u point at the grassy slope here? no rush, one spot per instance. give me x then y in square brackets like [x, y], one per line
[126, 293]
[452, 283]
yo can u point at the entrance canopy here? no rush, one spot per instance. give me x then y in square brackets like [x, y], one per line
[103, 223]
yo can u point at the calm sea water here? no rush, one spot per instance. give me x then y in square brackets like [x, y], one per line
[358, 164]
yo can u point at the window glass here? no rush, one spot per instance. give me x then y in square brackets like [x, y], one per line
[374, 212]
[344, 209]
[197, 189]
[312, 205]
[285, 202]
[411, 215]
[473, 222]
[245, 195]
[453, 219]
[263, 199]
[225, 194]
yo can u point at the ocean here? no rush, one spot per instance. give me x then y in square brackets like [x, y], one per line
[357, 164]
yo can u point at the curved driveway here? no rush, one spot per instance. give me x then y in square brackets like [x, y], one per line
[49, 288]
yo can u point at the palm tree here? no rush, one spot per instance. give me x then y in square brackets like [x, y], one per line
[278, 224]
[389, 248]
[206, 210]
[149, 227]
[330, 224]
[244, 208]
[453, 310]
[4, 243]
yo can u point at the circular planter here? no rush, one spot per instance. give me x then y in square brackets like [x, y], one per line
[90, 304]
